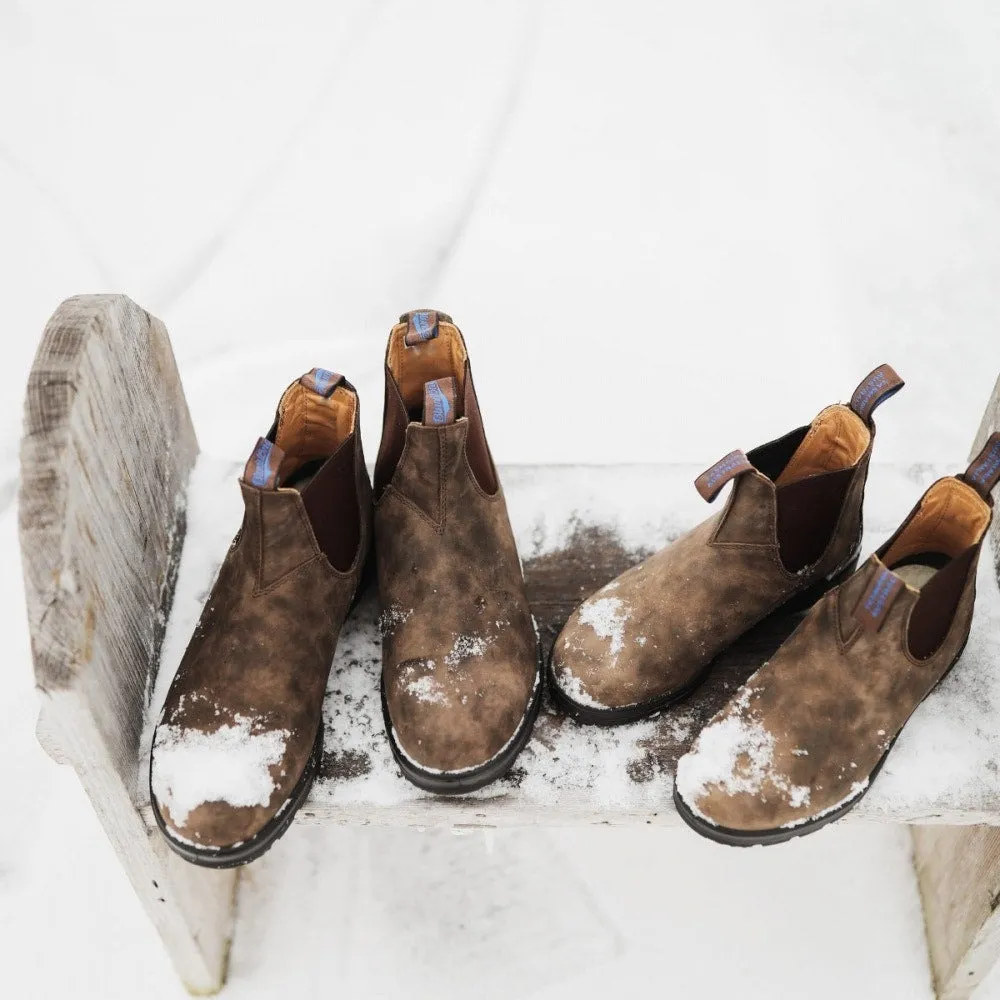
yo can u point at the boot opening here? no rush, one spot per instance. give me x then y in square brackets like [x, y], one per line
[311, 428]
[951, 519]
[835, 440]
[413, 367]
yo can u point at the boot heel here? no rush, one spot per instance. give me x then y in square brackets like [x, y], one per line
[801, 603]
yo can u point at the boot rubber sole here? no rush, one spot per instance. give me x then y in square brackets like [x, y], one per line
[765, 838]
[796, 604]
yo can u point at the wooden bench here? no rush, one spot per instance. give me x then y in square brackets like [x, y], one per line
[111, 485]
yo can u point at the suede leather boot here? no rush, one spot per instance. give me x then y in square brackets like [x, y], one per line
[241, 732]
[790, 531]
[801, 743]
[461, 683]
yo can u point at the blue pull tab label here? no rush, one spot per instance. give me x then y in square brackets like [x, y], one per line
[421, 326]
[874, 390]
[439, 401]
[322, 381]
[878, 598]
[711, 481]
[984, 471]
[263, 465]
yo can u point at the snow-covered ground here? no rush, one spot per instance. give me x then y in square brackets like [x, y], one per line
[726, 213]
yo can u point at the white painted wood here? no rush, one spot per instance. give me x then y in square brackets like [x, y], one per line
[943, 769]
[105, 460]
[107, 450]
[990, 423]
[958, 870]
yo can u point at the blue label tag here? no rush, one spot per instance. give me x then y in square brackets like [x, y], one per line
[263, 465]
[876, 601]
[985, 468]
[262, 458]
[439, 401]
[421, 326]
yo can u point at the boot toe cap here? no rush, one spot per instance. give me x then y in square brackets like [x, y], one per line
[213, 793]
[452, 724]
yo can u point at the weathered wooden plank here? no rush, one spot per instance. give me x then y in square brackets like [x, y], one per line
[107, 450]
[990, 424]
[577, 528]
[958, 870]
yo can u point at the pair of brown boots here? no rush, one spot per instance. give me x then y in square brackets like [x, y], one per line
[241, 733]
[800, 743]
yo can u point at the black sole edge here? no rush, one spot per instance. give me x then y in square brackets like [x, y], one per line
[616, 716]
[445, 783]
[260, 842]
[767, 838]
[797, 604]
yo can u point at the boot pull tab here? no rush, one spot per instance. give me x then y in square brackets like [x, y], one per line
[875, 389]
[984, 470]
[422, 325]
[439, 401]
[711, 481]
[873, 608]
[262, 467]
[322, 381]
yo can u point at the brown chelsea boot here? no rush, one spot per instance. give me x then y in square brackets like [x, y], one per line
[790, 531]
[241, 733]
[800, 744]
[461, 683]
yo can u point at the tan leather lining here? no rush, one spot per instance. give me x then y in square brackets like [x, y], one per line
[413, 367]
[312, 426]
[951, 517]
[836, 439]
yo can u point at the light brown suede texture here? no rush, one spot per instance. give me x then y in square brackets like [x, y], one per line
[263, 648]
[459, 649]
[808, 730]
[650, 634]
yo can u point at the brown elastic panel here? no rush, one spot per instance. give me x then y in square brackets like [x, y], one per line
[935, 609]
[808, 511]
[331, 501]
[394, 421]
[477, 451]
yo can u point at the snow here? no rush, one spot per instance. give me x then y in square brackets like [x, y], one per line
[573, 686]
[466, 647]
[944, 760]
[231, 764]
[741, 214]
[427, 689]
[607, 616]
[736, 754]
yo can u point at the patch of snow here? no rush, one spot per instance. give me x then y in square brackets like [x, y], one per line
[607, 616]
[573, 687]
[428, 690]
[857, 788]
[392, 617]
[466, 647]
[230, 765]
[735, 754]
